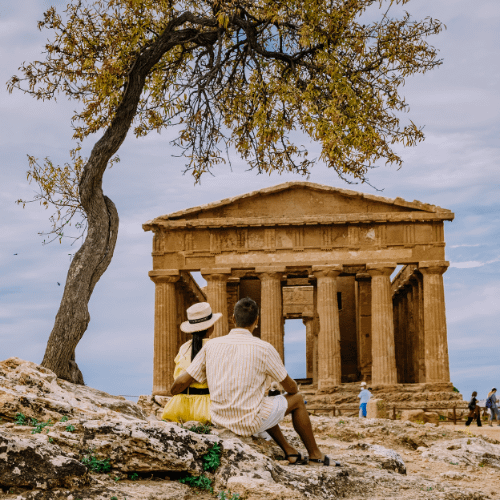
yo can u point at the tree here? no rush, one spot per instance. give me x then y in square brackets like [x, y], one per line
[239, 74]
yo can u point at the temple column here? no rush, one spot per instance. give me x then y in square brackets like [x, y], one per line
[364, 312]
[315, 350]
[308, 323]
[329, 361]
[271, 308]
[410, 334]
[217, 297]
[403, 338]
[435, 336]
[383, 350]
[165, 332]
[396, 314]
[418, 344]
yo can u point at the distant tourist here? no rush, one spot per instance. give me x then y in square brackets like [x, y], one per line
[364, 396]
[474, 411]
[492, 405]
[237, 367]
[193, 403]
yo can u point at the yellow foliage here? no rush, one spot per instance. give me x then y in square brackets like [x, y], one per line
[244, 74]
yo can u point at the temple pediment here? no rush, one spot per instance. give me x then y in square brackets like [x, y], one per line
[303, 202]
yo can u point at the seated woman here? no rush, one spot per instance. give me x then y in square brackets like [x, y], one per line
[194, 402]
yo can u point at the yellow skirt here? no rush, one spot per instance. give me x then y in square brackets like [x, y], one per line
[183, 408]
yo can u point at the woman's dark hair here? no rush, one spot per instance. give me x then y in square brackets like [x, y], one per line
[474, 394]
[245, 312]
[197, 343]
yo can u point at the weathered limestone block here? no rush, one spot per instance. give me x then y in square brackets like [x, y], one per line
[420, 416]
[152, 406]
[466, 451]
[376, 408]
[391, 460]
[138, 446]
[30, 463]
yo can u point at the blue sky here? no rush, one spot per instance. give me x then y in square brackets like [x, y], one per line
[456, 167]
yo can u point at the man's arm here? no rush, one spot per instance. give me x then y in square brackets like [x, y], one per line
[290, 385]
[183, 381]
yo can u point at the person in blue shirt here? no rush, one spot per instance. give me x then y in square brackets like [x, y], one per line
[364, 396]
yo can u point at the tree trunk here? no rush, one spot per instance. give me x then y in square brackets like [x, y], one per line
[87, 266]
[94, 256]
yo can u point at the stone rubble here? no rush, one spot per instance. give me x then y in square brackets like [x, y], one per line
[380, 458]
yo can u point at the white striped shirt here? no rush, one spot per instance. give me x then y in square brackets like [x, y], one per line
[236, 367]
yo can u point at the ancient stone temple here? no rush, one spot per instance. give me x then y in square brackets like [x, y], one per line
[321, 254]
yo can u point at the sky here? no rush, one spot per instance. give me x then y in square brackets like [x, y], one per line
[456, 167]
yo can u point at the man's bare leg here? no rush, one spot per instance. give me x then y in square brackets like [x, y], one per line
[280, 440]
[302, 424]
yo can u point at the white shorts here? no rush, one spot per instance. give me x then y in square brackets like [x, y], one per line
[280, 406]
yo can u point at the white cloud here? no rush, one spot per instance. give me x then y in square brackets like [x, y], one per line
[472, 263]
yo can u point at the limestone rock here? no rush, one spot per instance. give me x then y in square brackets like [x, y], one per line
[465, 451]
[36, 392]
[29, 463]
[376, 408]
[420, 416]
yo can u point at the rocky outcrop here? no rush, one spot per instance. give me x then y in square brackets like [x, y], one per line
[91, 432]
[36, 392]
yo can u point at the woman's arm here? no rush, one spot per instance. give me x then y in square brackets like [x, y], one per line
[183, 381]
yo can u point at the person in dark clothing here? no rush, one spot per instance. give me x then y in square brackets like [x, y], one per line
[474, 411]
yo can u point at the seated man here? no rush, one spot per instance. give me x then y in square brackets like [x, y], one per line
[236, 367]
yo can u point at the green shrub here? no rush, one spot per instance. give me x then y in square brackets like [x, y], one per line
[21, 419]
[200, 429]
[94, 464]
[211, 460]
[223, 495]
[201, 482]
[39, 426]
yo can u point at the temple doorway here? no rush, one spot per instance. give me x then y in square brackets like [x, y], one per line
[295, 348]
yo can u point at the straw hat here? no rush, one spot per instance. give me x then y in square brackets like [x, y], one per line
[200, 317]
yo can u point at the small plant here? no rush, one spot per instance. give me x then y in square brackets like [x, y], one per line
[21, 419]
[454, 463]
[468, 441]
[64, 419]
[226, 495]
[442, 418]
[94, 464]
[211, 460]
[39, 426]
[117, 478]
[51, 440]
[70, 428]
[114, 498]
[200, 429]
[455, 389]
[481, 464]
[201, 482]
[134, 476]
[421, 422]
[340, 422]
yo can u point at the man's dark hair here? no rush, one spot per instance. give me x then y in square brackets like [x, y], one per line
[245, 312]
